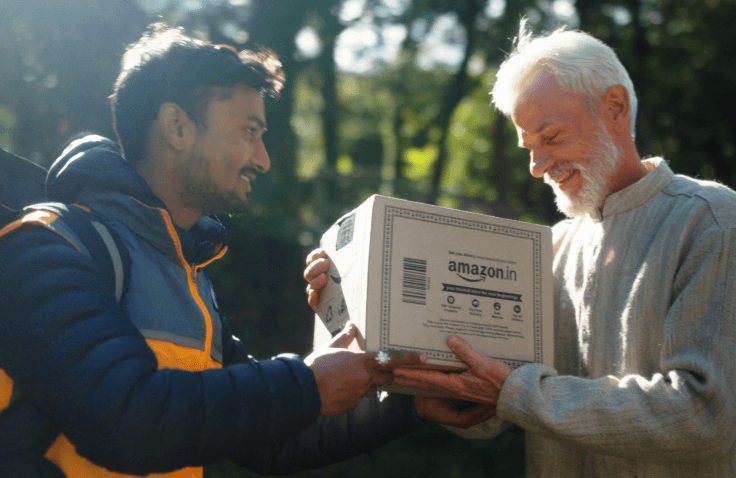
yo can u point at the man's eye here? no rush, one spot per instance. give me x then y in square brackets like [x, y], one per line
[250, 132]
[554, 139]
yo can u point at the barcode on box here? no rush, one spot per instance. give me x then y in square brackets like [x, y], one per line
[415, 281]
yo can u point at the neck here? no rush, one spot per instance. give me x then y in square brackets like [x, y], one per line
[630, 169]
[162, 178]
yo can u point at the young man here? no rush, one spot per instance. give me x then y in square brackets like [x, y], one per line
[153, 381]
[644, 382]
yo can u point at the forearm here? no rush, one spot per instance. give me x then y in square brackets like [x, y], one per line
[672, 417]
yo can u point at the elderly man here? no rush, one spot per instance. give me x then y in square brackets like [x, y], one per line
[645, 362]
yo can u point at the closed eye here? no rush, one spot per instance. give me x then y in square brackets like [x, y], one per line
[556, 138]
[252, 131]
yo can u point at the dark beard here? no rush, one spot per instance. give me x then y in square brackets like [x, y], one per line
[202, 193]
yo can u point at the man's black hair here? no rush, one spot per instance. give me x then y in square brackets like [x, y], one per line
[166, 66]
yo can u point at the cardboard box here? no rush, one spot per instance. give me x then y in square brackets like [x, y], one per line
[410, 275]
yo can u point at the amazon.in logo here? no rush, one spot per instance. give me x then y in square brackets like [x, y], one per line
[477, 273]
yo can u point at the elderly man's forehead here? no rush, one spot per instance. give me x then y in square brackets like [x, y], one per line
[543, 106]
[535, 87]
[543, 101]
[537, 76]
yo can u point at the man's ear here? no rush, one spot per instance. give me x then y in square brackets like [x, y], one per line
[616, 107]
[175, 125]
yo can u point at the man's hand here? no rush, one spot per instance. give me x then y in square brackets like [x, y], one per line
[452, 412]
[481, 383]
[344, 377]
[316, 274]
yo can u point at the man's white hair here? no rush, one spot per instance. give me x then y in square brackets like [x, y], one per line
[580, 63]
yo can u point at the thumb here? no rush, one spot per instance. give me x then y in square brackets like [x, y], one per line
[344, 338]
[466, 353]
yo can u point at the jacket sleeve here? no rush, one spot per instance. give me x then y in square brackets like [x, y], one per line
[328, 440]
[73, 352]
[233, 350]
[374, 422]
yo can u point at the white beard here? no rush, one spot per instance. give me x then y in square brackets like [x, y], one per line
[595, 172]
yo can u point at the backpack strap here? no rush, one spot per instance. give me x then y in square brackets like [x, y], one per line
[87, 231]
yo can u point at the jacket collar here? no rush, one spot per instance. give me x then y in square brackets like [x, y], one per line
[92, 172]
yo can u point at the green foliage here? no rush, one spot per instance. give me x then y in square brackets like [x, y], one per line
[8, 121]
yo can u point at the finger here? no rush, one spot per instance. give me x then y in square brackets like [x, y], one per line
[320, 266]
[318, 282]
[316, 254]
[380, 379]
[420, 405]
[344, 338]
[313, 299]
[467, 353]
[448, 412]
[440, 410]
[316, 269]
[429, 380]
[473, 416]
[404, 359]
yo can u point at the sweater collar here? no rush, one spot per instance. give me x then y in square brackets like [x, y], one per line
[631, 197]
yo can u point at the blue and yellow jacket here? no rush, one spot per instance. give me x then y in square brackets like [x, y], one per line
[155, 383]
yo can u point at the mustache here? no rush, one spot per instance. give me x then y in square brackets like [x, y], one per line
[561, 170]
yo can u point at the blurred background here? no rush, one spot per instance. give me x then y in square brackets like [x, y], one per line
[383, 96]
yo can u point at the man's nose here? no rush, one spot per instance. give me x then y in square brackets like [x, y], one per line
[538, 163]
[260, 160]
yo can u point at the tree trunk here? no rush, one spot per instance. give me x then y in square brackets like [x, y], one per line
[454, 93]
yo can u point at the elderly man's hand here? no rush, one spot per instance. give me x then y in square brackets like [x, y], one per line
[480, 383]
[344, 377]
[316, 274]
[453, 412]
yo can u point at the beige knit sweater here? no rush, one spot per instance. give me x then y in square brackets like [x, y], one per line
[644, 383]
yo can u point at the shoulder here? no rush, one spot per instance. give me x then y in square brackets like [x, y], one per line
[59, 219]
[34, 221]
[559, 232]
[33, 253]
[715, 199]
[59, 233]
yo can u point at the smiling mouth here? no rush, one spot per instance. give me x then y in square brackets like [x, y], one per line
[248, 176]
[564, 178]
[247, 180]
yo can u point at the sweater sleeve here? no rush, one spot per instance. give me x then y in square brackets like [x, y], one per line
[72, 351]
[685, 410]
